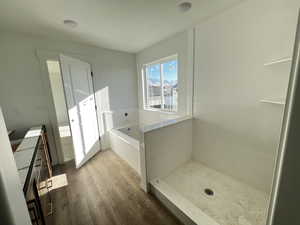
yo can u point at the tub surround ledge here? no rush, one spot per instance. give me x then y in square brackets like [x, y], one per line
[163, 124]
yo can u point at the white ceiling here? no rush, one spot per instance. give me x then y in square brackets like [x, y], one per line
[126, 25]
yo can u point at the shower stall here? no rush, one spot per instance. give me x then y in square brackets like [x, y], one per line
[218, 165]
[194, 190]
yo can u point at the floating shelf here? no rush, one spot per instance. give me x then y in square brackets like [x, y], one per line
[282, 60]
[275, 102]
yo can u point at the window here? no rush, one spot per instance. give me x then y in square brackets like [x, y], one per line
[160, 85]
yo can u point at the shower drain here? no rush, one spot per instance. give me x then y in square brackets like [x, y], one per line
[209, 191]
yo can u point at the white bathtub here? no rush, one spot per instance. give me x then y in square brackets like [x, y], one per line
[126, 143]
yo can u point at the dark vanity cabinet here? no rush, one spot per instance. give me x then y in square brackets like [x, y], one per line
[34, 166]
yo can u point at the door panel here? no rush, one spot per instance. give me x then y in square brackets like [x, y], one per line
[81, 104]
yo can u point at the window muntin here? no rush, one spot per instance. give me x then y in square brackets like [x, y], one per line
[161, 85]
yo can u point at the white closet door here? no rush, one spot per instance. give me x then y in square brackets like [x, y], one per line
[80, 98]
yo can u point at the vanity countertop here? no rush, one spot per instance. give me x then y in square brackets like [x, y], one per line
[25, 154]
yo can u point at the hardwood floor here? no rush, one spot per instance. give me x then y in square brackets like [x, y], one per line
[105, 192]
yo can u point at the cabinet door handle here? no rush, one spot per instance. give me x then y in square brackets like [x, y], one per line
[33, 209]
[49, 181]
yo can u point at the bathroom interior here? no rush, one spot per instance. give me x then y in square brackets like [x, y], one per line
[213, 161]
[197, 115]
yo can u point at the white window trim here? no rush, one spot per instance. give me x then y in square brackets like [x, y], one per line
[145, 86]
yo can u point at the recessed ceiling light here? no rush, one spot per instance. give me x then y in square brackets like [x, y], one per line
[184, 6]
[70, 23]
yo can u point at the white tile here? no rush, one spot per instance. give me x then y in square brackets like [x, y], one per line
[186, 206]
[164, 123]
[233, 202]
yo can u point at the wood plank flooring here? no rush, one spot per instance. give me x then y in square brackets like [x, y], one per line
[105, 191]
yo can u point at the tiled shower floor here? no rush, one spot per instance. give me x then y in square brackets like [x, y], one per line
[232, 202]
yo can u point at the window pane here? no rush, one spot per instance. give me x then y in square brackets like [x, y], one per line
[170, 79]
[153, 84]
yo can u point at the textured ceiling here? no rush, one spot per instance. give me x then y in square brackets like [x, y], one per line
[126, 25]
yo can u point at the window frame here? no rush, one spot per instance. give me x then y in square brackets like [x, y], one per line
[145, 86]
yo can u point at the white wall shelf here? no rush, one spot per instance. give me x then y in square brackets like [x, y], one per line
[278, 61]
[273, 101]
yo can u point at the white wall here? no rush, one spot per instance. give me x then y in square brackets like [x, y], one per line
[167, 148]
[181, 44]
[22, 96]
[13, 206]
[58, 93]
[233, 132]
[288, 184]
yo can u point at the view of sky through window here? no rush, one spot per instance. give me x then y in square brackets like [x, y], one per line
[154, 74]
[170, 71]
[162, 95]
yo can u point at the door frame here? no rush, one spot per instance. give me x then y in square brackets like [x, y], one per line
[43, 56]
